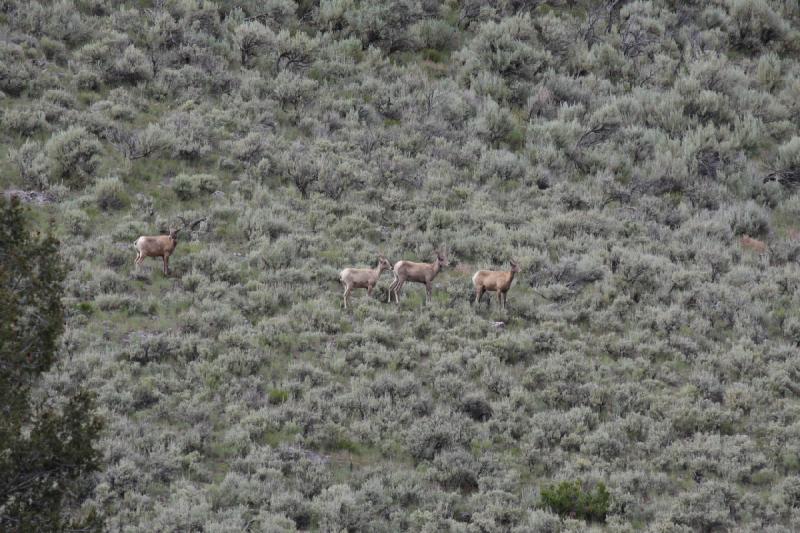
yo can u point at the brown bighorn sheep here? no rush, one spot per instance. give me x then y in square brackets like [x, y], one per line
[494, 280]
[362, 278]
[160, 245]
[755, 245]
[418, 273]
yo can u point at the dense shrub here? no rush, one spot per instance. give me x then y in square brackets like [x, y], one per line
[569, 498]
[32, 164]
[110, 194]
[73, 156]
[188, 186]
[24, 121]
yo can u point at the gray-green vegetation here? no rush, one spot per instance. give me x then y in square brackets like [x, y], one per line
[618, 150]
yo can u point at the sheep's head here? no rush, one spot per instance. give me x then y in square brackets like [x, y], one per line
[384, 263]
[173, 234]
[514, 266]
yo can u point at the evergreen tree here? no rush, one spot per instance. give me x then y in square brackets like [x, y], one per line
[44, 450]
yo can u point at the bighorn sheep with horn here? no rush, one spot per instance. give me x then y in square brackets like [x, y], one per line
[161, 245]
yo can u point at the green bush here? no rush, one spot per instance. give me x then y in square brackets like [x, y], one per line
[278, 396]
[569, 498]
[31, 164]
[25, 121]
[110, 194]
[77, 222]
[188, 186]
[73, 155]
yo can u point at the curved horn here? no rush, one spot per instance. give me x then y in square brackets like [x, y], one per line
[196, 222]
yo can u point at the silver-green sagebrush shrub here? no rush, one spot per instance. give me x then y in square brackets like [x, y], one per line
[188, 186]
[24, 121]
[755, 25]
[73, 156]
[191, 134]
[432, 435]
[31, 164]
[110, 194]
[16, 74]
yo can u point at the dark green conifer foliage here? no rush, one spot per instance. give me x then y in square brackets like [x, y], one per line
[43, 449]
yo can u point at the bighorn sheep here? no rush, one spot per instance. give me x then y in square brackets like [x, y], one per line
[362, 278]
[494, 280]
[160, 245]
[755, 245]
[416, 272]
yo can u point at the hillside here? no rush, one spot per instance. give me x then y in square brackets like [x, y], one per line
[619, 151]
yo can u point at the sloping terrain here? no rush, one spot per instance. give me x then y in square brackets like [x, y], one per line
[618, 150]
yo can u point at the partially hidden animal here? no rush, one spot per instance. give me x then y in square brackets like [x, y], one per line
[749, 243]
[362, 278]
[418, 273]
[160, 245]
[494, 281]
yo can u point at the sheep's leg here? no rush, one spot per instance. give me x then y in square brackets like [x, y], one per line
[346, 294]
[428, 291]
[478, 295]
[391, 288]
[138, 260]
[500, 299]
[397, 290]
[166, 265]
[505, 299]
[369, 290]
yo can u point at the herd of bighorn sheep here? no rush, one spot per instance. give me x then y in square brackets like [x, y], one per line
[497, 281]
[356, 278]
[367, 278]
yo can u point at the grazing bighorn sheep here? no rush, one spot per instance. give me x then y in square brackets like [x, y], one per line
[362, 278]
[418, 273]
[494, 280]
[160, 245]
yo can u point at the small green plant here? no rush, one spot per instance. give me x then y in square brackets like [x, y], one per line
[87, 308]
[278, 396]
[569, 498]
